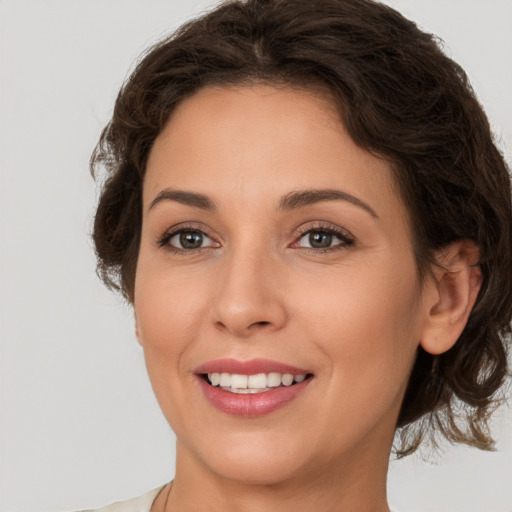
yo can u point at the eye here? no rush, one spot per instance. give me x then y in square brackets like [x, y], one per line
[323, 239]
[318, 240]
[187, 240]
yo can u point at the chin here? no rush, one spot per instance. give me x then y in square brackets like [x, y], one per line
[258, 472]
[255, 459]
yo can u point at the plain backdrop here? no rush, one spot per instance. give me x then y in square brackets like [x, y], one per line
[79, 424]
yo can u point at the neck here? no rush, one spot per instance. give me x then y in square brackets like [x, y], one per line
[358, 482]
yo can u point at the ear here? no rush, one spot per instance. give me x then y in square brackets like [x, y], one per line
[453, 289]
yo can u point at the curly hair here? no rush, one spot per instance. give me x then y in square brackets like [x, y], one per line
[401, 98]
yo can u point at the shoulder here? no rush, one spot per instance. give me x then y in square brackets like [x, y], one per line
[139, 504]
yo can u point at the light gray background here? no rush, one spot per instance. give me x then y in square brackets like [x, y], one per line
[79, 424]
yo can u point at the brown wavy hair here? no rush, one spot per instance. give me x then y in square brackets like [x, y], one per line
[401, 98]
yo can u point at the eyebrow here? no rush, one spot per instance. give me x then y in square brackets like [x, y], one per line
[303, 198]
[291, 201]
[183, 197]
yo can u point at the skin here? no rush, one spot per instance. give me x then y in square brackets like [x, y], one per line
[353, 315]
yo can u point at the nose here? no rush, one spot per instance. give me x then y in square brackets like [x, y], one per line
[250, 297]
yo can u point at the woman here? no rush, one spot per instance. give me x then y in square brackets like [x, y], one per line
[306, 209]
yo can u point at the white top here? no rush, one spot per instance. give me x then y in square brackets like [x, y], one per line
[140, 504]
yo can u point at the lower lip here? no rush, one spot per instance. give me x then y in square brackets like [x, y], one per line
[251, 405]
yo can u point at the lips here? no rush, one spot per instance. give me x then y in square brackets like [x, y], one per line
[251, 367]
[251, 388]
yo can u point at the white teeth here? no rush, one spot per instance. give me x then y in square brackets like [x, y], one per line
[237, 383]
[273, 380]
[258, 381]
[287, 379]
[247, 391]
[225, 380]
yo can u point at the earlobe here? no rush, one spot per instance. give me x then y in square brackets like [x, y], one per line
[454, 284]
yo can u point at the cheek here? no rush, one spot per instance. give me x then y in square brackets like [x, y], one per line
[367, 321]
[166, 307]
[368, 330]
[168, 310]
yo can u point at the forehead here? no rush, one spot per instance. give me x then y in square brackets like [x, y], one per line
[245, 141]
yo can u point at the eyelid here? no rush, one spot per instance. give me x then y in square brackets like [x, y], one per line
[346, 238]
[320, 225]
[163, 240]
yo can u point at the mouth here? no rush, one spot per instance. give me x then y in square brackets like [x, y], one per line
[255, 383]
[251, 388]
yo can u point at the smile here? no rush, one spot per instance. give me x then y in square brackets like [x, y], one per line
[251, 388]
[250, 384]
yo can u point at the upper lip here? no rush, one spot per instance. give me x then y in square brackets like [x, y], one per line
[250, 367]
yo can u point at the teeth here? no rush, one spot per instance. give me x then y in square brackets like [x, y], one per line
[240, 382]
[257, 383]
[247, 391]
[214, 378]
[225, 380]
[273, 380]
[287, 379]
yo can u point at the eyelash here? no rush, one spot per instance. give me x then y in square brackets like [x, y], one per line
[163, 242]
[346, 239]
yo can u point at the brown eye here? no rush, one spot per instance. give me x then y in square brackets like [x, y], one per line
[324, 239]
[320, 239]
[189, 239]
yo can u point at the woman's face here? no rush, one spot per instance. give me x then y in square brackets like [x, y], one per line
[272, 244]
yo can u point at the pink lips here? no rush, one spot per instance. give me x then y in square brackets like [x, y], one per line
[250, 405]
[248, 367]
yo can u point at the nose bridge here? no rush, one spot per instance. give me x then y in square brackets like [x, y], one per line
[248, 297]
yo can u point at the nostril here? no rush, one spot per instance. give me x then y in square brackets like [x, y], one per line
[262, 323]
